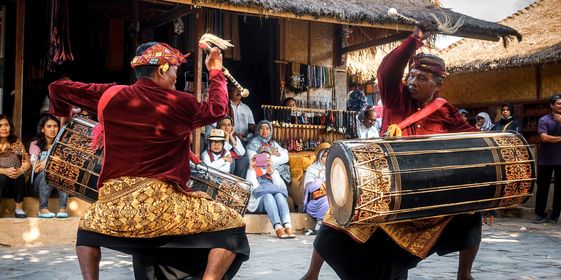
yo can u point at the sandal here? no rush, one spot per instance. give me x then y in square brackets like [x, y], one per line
[289, 232]
[281, 233]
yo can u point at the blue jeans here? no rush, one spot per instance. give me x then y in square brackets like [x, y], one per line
[45, 190]
[276, 208]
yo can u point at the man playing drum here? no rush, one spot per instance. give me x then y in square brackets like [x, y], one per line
[144, 208]
[388, 251]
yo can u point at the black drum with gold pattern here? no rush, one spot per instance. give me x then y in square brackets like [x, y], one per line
[383, 181]
[225, 188]
[73, 166]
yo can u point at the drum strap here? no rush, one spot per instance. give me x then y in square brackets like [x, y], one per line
[97, 133]
[394, 130]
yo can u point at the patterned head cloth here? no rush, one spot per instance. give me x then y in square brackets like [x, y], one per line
[430, 63]
[159, 54]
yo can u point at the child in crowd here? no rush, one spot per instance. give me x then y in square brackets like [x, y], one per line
[216, 156]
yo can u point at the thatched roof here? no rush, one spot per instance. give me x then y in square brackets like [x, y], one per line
[358, 12]
[539, 24]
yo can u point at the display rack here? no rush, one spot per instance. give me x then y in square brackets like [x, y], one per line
[302, 129]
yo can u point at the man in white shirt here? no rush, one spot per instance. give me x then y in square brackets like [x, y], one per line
[244, 124]
[369, 127]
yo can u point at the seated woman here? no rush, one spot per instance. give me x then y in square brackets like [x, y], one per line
[268, 194]
[47, 129]
[315, 191]
[216, 156]
[14, 163]
[263, 142]
[235, 146]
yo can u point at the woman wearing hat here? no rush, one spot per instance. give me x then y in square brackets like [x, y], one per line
[315, 194]
[216, 156]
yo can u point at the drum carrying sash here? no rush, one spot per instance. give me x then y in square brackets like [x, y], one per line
[73, 166]
[383, 181]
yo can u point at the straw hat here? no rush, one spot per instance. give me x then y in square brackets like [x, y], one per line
[217, 135]
[324, 145]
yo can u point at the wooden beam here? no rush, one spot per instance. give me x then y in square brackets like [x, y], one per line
[172, 14]
[18, 70]
[375, 42]
[198, 77]
[539, 82]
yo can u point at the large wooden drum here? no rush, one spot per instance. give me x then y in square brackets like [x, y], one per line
[73, 166]
[384, 181]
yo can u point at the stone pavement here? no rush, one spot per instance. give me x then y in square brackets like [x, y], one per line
[510, 249]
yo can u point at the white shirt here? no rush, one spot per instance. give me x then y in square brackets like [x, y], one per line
[242, 117]
[364, 132]
[218, 163]
[238, 149]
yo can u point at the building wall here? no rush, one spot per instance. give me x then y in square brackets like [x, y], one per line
[551, 80]
[512, 85]
[318, 52]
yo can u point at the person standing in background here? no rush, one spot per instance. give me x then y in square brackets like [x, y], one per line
[549, 161]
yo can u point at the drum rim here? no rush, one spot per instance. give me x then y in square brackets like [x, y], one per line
[345, 156]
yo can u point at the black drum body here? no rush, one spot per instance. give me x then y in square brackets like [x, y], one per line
[383, 181]
[225, 188]
[73, 166]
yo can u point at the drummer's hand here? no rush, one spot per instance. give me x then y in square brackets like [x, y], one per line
[557, 117]
[423, 34]
[64, 120]
[213, 59]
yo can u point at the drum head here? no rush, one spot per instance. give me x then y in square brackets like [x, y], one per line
[341, 181]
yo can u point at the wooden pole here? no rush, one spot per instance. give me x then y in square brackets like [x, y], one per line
[198, 77]
[308, 90]
[539, 81]
[18, 70]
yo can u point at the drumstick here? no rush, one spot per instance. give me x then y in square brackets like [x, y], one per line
[206, 41]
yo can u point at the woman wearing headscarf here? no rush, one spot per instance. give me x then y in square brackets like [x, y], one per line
[507, 122]
[483, 122]
[315, 192]
[263, 142]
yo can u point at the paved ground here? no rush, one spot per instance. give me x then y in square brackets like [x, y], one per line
[511, 249]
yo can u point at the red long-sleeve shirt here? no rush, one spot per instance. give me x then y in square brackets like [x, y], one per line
[146, 127]
[398, 104]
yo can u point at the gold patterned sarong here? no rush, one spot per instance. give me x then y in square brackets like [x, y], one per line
[147, 207]
[416, 237]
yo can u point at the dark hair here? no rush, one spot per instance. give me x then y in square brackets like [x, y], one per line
[40, 135]
[510, 108]
[225, 118]
[12, 138]
[554, 98]
[144, 71]
[285, 101]
[320, 155]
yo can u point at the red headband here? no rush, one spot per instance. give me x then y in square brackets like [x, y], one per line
[159, 54]
[429, 63]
